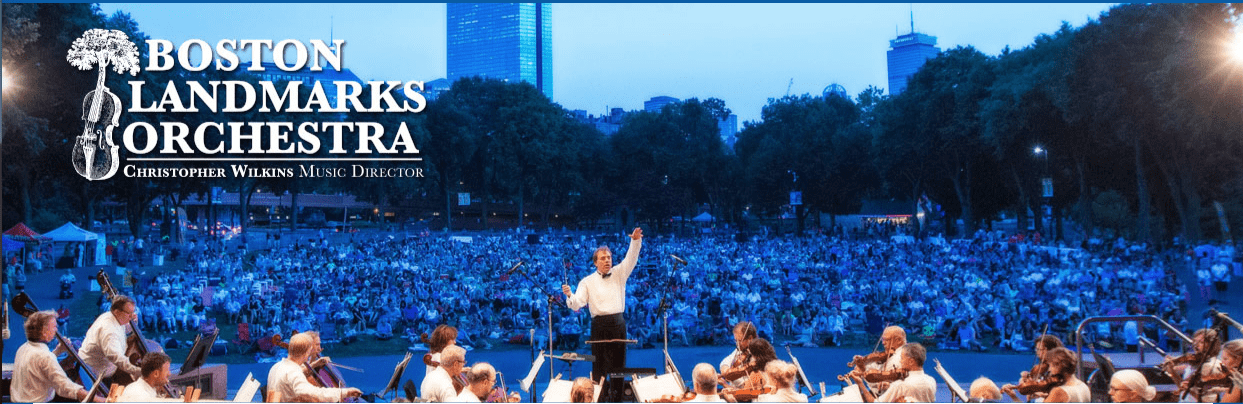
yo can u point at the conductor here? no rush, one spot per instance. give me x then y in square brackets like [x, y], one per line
[604, 294]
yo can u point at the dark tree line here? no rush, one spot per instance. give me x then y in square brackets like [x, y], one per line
[1138, 114]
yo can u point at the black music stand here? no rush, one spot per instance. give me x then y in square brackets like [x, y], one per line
[198, 352]
[395, 380]
[198, 356]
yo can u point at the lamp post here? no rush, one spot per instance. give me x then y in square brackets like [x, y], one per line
[1046, 185]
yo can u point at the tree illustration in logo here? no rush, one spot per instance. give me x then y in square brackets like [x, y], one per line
[95, 156]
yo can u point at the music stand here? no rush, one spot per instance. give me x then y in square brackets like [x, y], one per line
[198, 352]
[395, 380]
[953, 385]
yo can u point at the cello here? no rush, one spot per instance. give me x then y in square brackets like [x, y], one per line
[95, 156]
[73, 363]
[136, 345]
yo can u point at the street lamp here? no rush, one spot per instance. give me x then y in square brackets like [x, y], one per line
[1046, 183]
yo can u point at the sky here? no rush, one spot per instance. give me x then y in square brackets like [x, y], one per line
[619, 55]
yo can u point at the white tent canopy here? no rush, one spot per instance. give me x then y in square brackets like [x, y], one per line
[703, 217]
[69, 233]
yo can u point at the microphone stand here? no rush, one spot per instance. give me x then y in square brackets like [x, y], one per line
[551, 300]
[665, 304]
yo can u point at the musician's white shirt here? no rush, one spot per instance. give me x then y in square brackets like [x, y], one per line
[707, 398]
[916, 387]
[37, 377]
[786, 395]
[138, 392]
[726, 366]
[103, 348]
[606, 296]
[435, 358]
[467, 396]
[438, 386]
[287, 378]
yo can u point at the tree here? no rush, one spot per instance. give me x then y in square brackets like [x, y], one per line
[941, 106]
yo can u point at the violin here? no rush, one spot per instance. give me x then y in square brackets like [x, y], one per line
[95, 156]
[500, 394]
[751, 394]
[1042, 385]
[887, 376]
[669, 398]
[874, 357]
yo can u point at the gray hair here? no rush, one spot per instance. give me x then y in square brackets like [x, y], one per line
[36, 322]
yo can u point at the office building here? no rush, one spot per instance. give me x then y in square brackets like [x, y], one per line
[504, 41]
[906, 55]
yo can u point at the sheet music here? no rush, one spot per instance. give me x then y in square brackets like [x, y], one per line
[653, 387]
[949, 381]
[672, 368]
[526, 381]
[247, 392]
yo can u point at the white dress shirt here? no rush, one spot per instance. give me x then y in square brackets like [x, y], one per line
[726, 366]
[103, 348]
[467, 396]
[38, 377]
[438, 386]
[138, 392]
[606, 296]
[707, 398]
[786, 395]
[916, 387]
[287, 378]
[435, 358]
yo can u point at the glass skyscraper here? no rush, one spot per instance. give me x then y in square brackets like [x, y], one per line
[506, 41]
[906, 55]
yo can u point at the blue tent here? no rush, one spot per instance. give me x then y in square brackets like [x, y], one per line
[11, 245]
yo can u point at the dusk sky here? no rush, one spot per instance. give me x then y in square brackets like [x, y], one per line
[619, 55]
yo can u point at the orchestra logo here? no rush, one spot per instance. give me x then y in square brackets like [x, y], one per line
[95, 155]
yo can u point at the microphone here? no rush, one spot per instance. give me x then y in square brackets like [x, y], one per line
[515, 268]
[678, 259]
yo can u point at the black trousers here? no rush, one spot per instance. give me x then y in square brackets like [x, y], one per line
[609, 356]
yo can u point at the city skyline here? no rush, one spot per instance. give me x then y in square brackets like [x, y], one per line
[620, 55]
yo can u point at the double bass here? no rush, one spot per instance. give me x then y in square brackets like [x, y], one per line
[95, 156]
[73, 363]
[137, 346]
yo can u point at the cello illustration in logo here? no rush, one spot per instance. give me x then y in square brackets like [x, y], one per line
[95, 155]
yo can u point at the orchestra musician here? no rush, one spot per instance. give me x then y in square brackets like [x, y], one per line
[983, 390]
[1232, 361]
[780, 375]
[744, 332]
[155, 372]
[1062, 366]
[604, 294]
[759, 353]
[103, 348]
[443, 336]
[1130, 386]
[916, 386]
[703, 379]
[1202, 365]
[37, 377]
[437, 386]
[481, 379]
[288, 377]
[1043, 345]
[582, 391]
